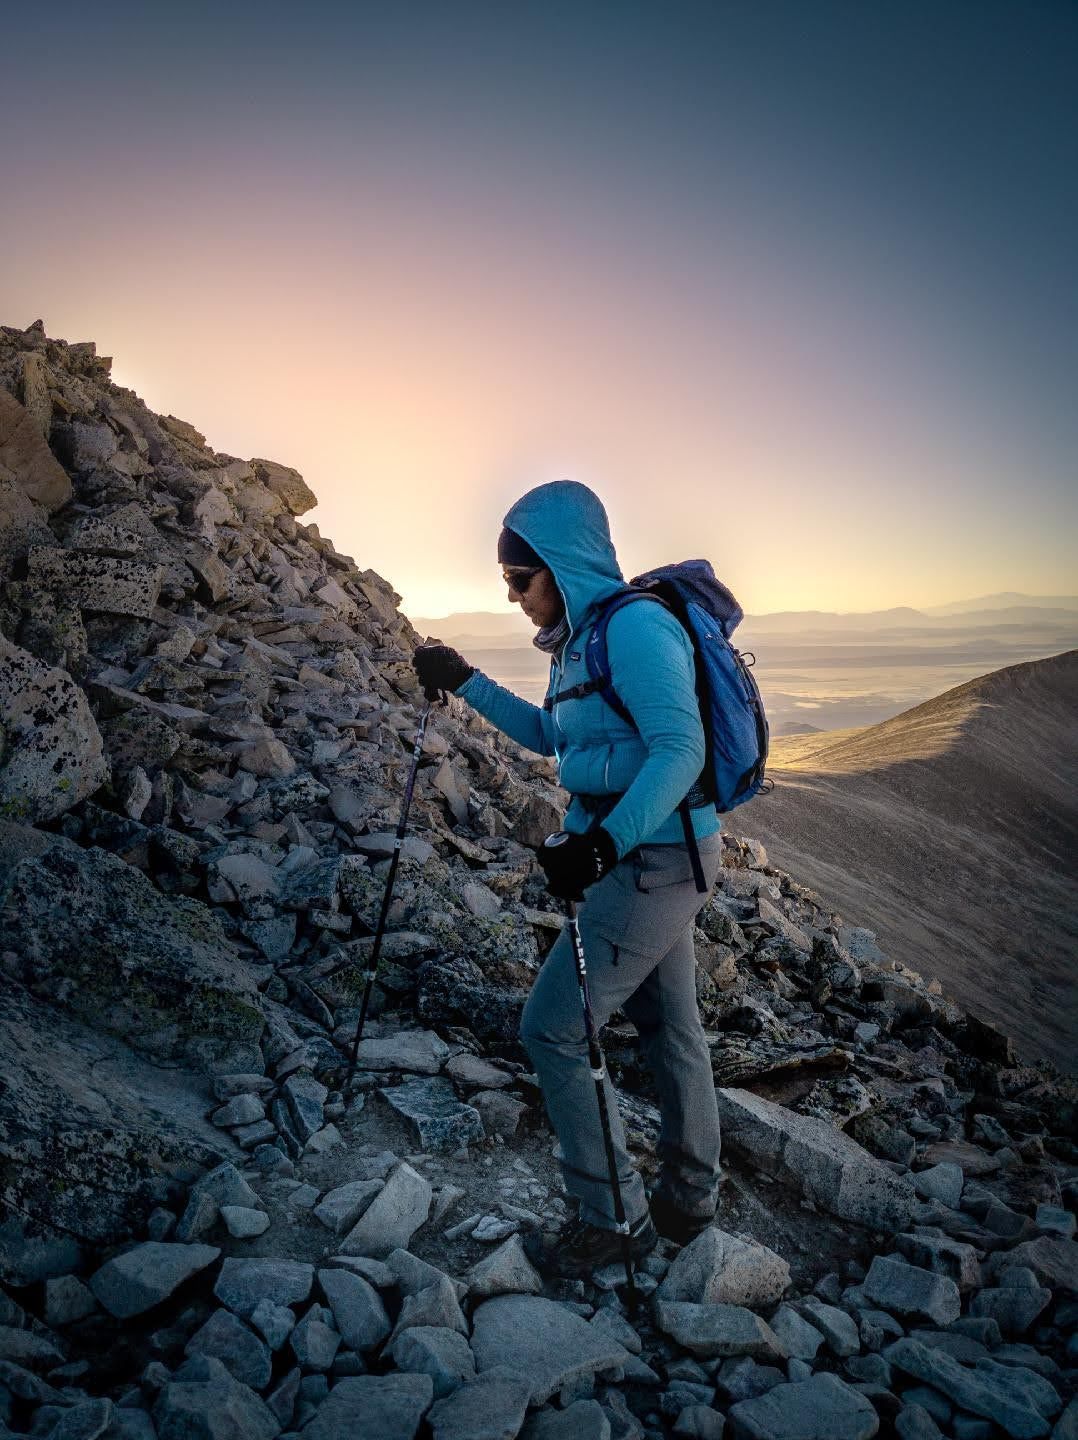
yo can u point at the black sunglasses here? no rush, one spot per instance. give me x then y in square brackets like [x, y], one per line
[519, 580]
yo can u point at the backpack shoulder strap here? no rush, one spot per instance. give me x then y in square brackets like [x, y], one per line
[595, 651]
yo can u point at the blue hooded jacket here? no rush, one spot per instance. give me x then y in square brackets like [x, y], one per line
[652, 666]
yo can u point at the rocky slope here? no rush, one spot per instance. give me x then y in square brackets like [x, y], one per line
[951, 829]
[207, 715]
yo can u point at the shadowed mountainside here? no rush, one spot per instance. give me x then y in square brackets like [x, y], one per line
[950, 829]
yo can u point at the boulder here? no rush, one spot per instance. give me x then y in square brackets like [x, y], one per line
[1021, 1407]
[243, 1283]
[357, 1309]
[542, 1342]
[140, 1278]
[240, 1351]
[96, 936]
[98, 582]
[490, 1407]
[202, 1401]
[505, 1271]
[393, 1216]
[819, 1161]
[823, 1408]
[433, 1350]
[24, 453]
[387, 1406]
[287, 484]
[718, 1268]
[440, 1120]
[905, 1289]
[708, 1331]
[51, 752]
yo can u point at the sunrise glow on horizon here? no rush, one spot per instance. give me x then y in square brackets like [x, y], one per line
[793, 294]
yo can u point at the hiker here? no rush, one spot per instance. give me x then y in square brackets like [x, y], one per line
[624, 850]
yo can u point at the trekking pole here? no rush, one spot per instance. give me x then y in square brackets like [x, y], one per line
[598, 1073]
[387, 895]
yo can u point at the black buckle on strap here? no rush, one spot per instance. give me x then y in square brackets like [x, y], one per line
[577, 692]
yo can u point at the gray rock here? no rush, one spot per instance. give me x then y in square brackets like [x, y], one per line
[420, 1052]
[53, 755]
[433, 1350]
[944, 1256]
[141, 1278]
[305, 1098]
[314, 1342]
[23, 1347]
[582, 1420]
[541, 1341]
[796, 1336]
[610, 1322]
[240, 1110]
[1053, 1260]
[357, 1309]
[440, 1121]
[23, 449]
[491, 1407]
[940, 1182]
[282, 1399]
[1067, 1424]
[203, 1401]
[908, 1290]
[223, 1185]
[708, 1331]
[718, 1268]
[475, 1073]
[505, 1271]
[838, 1329]
[86, 1421]
[819, 1161]
[1013, 1307]
[239, 1350]
[274, 1322]
[156, 970]
[243, 1283]
[492, 1228]
[435, 1305]
[410, 1274]
[393, 1216]
[913, 1422]
[823, 1408]
[500, 1114]
[339, 1209]
[117, 586]
[700, 1422]
[243, 1223]
[994, 1393]
[1056, 1221]
[66, 1300]
[387, 1406]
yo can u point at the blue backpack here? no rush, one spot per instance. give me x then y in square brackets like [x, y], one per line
[732, 710]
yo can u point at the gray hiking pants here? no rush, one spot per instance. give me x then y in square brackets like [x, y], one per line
[636, 925]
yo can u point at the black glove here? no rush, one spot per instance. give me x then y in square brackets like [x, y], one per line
[572, 862]
[440, 667]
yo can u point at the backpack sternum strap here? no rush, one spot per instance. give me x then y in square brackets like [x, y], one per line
[577, 692]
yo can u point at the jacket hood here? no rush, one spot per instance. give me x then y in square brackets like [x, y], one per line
[566, 525]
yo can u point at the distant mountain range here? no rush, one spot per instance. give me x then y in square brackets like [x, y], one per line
[832, 670]
[951, 829]
[1007, 608]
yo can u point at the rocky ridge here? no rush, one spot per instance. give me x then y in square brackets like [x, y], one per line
[206, 716]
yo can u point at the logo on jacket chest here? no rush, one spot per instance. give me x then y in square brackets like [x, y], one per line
[575, 655]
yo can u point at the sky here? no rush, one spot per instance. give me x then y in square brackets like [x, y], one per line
[790, 285]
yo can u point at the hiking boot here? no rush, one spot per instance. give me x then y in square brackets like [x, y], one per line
[674, 1224]
[579, 1248]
